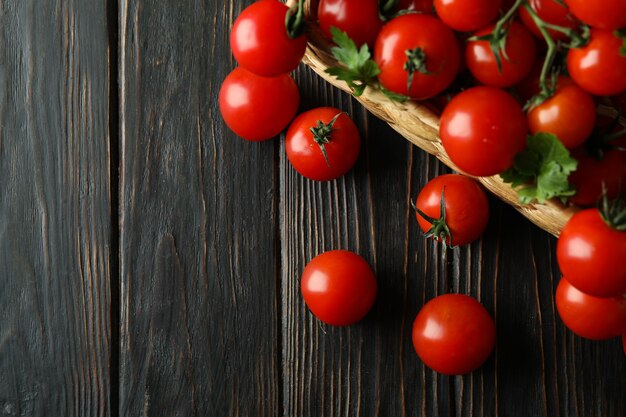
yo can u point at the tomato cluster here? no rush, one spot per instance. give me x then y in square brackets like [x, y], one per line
[522, 82]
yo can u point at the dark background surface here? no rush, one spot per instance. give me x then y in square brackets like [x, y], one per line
[150, 259]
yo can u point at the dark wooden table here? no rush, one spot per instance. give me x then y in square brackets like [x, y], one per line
[150, 259]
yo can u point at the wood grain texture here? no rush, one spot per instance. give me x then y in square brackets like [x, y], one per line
[371, 369]
[200, 332]
[55, 230]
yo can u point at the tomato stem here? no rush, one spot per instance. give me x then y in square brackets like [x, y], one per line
[294, 20]
[613, 212]
[322, 135]
[386, 7]
[415, 62]
[439, 230]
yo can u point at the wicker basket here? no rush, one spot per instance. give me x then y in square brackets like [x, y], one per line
[420, 125]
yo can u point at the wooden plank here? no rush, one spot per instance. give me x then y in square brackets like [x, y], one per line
[199, 318]
[371, 369]
[55, 229]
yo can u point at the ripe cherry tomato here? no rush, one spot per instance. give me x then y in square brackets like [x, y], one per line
[339, 287]
[605, 14]
[592, 255]
[467, 15]
[590, 317]
[260, 42]
[599, 67]
[466, 209]
[550, 11]
[593, 174]
[482, 129]
[520, 49]
[420, 45]
[318, 131]
[570, 114]
[358, 18]
[421, 6]
[258, 108]
[453, 334]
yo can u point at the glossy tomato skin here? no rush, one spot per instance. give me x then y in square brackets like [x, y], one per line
[592, 255]
[306, 156]
[339, 287]
[570, 114]
[467, 207]
[550, 11]
[592, 174]
[605, 14]
[258, 108]
[590, 317]
[260, 42]
[358, 18]
[599, 67]
[520, 48]
[482, 129]
[409, 32]
[453, 334]
[467, 15]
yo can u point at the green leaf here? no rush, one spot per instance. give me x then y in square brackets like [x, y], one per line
[542, 170]
[400, 98]
[357, 68]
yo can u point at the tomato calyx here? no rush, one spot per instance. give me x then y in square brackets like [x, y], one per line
[322, 134]
[603, 137]
[294, 20]
[613, 212]
[415, 62]
[621, 34]
[387, 8]
[440, 231]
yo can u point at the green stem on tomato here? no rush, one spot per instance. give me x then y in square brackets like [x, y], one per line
[546, 91]
[439, 230]
[294, 20]
[387, 6]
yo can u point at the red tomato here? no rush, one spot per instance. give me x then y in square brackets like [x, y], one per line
[599, 67]
[358, 18]
[260, 42]
[482, 129]
[466, 209]
[520, 49]
[339, 287]
[317, 131]
[592, 255]
[258, 108]
[550, 11]
[593, 174]
[590, 317]
[604, 14]
[420, 45]
[467, 15]
[570, 114]
[422, 6]
[453, 334]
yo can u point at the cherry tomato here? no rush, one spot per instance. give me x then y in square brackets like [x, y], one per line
[358, 18]
[482, 129]
[420, 45]
[599, 67]
[593, 174]
[520, 49]
[570, 114]
[320, 130]
[592, 255]
[453, 334]
[550, 11]
[604, 14]
[421, 6]
[339, 287]
[258, 108]
[590, 317]
[466, 209]
[467, 15]
[260, 42]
